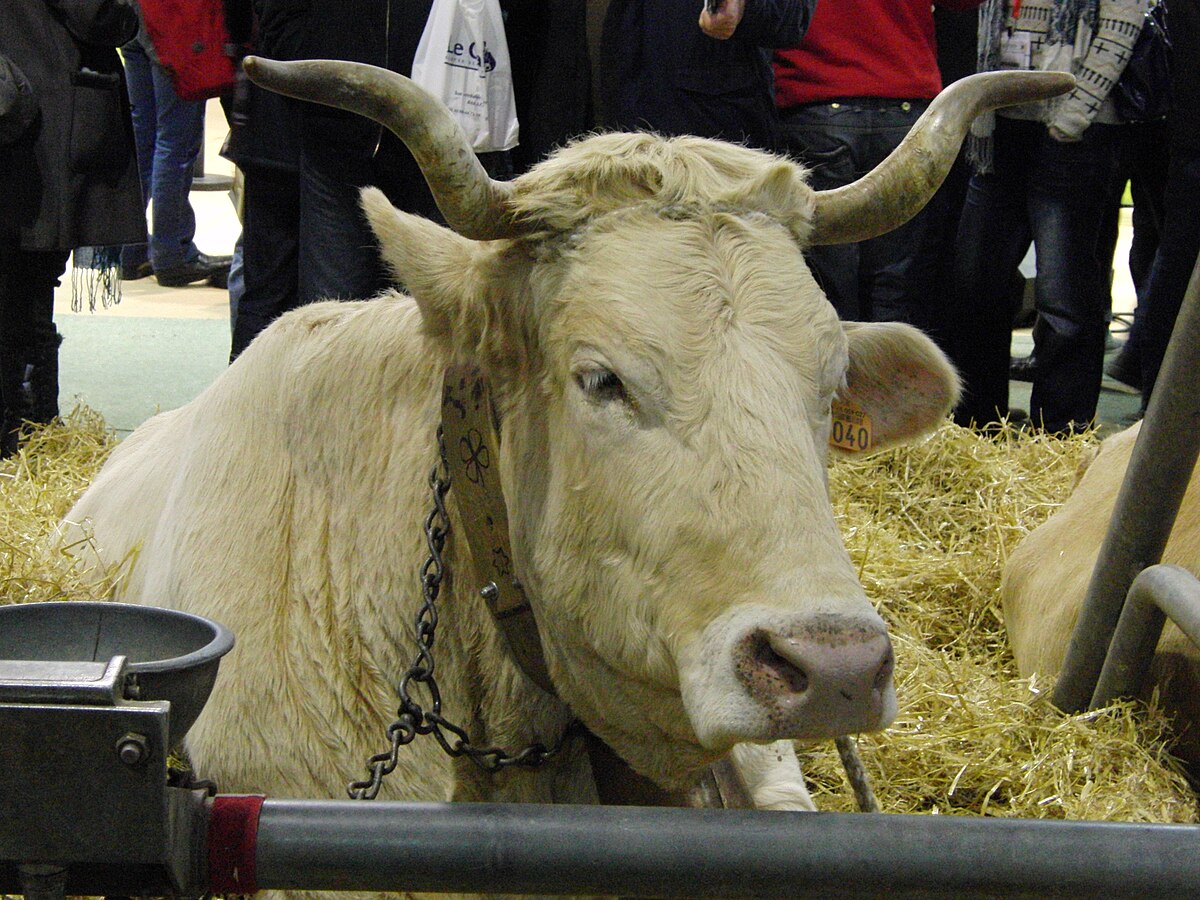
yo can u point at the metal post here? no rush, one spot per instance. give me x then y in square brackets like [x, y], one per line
[1158, 593]
[1158, 475]
[661, 852]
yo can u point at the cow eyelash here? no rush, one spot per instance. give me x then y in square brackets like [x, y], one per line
[601, 385]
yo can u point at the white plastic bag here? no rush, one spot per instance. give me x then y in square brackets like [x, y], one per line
[463, 60]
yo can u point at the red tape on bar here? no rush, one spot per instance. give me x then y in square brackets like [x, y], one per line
[233, 844]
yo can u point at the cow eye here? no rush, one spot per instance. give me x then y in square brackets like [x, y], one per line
[601, 385]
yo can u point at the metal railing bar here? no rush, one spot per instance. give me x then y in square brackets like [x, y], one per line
[1159, 593]
[657, 852]
[1155, 481]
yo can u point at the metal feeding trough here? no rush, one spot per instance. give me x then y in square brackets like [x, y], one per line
[93, 696]
[169, 655]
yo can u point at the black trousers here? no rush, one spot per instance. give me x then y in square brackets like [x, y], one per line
[27, 282]
[28, 339]
[270, 252]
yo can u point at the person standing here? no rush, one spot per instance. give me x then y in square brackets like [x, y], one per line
[677, 68]
[1043, 175]
[69, 179]
[340, 152]
[264, 144]
[169, 133]
[1179, 239]
[847, 96]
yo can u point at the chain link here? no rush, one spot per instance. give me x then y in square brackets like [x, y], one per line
[413, 719]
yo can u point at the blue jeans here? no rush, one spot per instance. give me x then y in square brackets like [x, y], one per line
[168, 133]
[338, 254]
[883, 279]
[1054, 195]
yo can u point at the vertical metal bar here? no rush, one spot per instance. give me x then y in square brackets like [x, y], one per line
[1158, 474]
[1159, 593]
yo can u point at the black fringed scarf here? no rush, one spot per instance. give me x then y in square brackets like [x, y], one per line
[96, 275]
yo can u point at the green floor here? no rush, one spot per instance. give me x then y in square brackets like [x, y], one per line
[130, 368]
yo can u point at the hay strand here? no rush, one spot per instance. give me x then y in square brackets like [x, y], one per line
[37, 487]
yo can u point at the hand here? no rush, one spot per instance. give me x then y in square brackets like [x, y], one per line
[722, 24]
[1062, 137]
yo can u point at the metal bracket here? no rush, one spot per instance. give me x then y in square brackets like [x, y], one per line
[1159, 592]
[83, 785]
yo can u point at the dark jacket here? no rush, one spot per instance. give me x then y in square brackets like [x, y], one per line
[72, 179]
[1183, 21]
[552, 74]
[660, 72]
[264, 126]
[383, 33]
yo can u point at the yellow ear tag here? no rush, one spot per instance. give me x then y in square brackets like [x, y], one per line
[851, 428]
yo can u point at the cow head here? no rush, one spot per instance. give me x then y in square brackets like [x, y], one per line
[665, 367]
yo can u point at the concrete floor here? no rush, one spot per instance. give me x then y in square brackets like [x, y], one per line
[160, 347]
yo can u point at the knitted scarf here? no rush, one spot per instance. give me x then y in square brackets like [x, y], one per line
[95, 275]
[1058, 55]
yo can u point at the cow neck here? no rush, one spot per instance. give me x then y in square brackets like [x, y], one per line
[470, 429]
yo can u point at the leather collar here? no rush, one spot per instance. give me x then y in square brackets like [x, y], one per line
[470, 429]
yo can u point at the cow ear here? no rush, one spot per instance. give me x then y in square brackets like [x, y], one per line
[447, 274]
[899, 386]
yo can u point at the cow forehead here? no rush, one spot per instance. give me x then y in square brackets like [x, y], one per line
[682, 290]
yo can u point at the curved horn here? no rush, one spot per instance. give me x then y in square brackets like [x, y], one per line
[896, 189]
[473, 203]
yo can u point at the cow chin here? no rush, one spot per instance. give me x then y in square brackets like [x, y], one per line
[759, 674]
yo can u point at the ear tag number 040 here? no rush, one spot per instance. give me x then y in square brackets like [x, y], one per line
[851, 428]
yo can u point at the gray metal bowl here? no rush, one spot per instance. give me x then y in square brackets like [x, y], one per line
[175, 655]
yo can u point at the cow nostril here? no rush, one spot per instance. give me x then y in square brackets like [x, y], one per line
[884, 676]
[789, 672]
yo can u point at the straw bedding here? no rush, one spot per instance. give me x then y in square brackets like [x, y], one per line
[929, 527]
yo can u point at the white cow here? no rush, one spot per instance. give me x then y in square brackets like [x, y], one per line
[663, 366]
[1047, 577]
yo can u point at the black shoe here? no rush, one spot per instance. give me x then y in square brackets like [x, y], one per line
[1022, 368]
[202, 268]
[1017, 417]
[1124, 368]
[142, 270]
[219, 279]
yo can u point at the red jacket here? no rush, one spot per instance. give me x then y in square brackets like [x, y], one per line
[863, 48]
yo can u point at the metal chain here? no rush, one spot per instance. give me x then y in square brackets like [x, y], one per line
[413, 719]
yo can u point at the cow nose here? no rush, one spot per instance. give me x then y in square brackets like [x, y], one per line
[827, 677]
